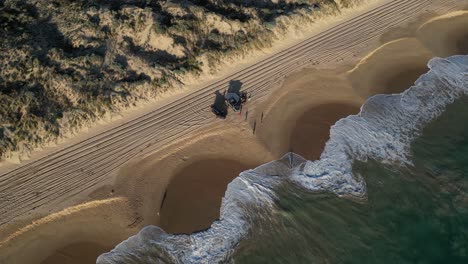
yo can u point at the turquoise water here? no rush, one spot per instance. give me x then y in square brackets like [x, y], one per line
[413, 214]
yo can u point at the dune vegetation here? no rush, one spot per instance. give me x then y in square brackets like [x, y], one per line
[67, 63]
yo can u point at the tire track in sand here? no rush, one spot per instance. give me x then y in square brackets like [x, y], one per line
[73, 170]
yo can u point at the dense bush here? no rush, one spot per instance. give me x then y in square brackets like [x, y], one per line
[68, 62]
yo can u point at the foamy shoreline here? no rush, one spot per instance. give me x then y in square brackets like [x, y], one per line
[270, 120]
[383, 131]
[256, 188]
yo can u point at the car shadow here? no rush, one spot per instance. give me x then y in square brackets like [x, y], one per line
[219, 101]
[235, 87]
[219, 106]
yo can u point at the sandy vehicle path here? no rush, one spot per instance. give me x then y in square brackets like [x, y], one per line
[53, 181]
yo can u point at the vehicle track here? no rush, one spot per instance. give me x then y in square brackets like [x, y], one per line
[75, 169]
[245, 77]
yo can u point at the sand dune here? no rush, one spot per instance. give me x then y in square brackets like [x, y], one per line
[72, 173]
[141, 159]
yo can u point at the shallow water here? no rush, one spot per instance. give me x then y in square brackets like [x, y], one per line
[401, 163]
[416, 214]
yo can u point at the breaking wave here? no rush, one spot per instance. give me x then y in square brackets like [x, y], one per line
[383, 130]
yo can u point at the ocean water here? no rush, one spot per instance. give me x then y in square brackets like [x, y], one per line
[390, 187]
[412, 214]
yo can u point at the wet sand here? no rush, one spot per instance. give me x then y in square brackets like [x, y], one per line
[299, 115]
[315, 124]
[78, 253]
[391, 68]
[446, 35]
[194, 194]
[194, 172]
[402, 80]
[180, 188]
[75, 235]
[462, 44]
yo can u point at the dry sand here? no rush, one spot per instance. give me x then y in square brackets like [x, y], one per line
[297, 32]
[75, 235]
[180, 186]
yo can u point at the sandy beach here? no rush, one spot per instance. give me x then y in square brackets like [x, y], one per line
[309, 102]
[180, 187]
[75, 235]
[209, 177]
[178, 183]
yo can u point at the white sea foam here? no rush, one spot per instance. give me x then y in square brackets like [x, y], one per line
[383, 130]
[252, 187]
